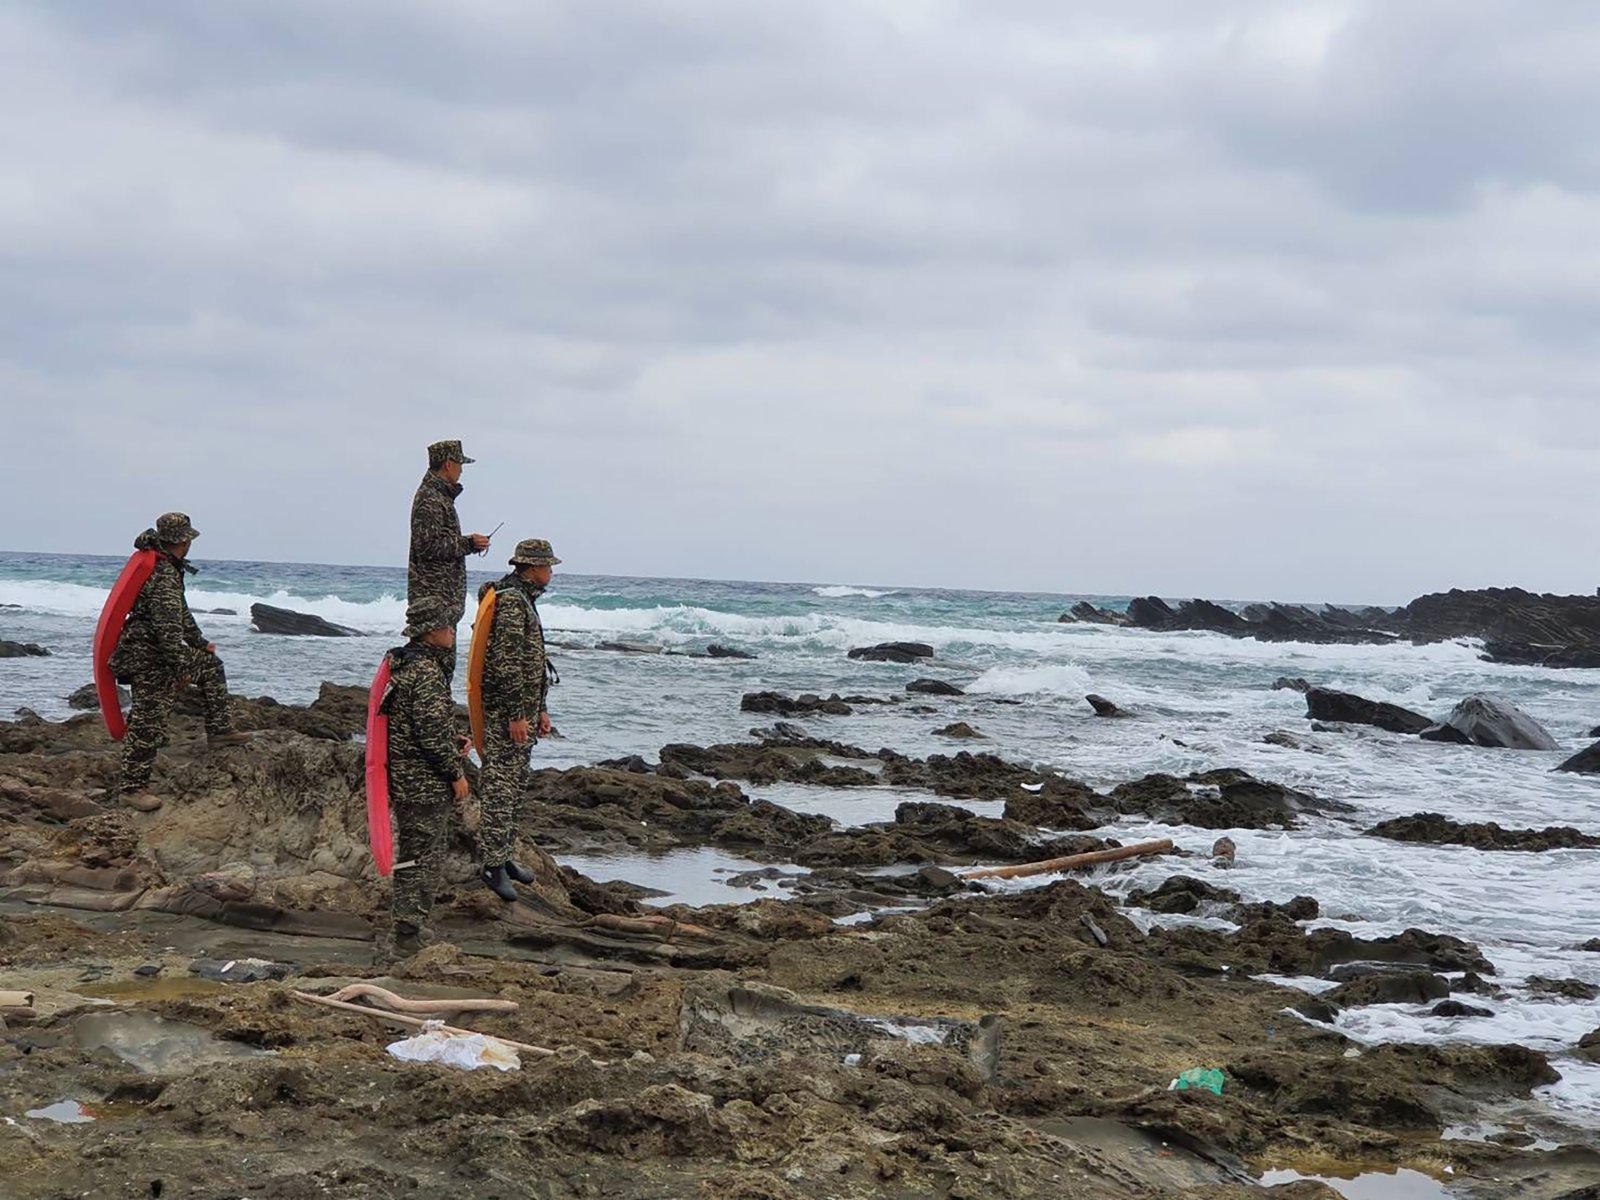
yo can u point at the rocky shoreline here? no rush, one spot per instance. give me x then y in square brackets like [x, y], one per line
[871, 1024]
[1517, 627]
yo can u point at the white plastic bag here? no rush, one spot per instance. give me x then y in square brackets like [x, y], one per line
[467, 1051]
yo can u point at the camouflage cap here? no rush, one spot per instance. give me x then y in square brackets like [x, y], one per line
[426, 614]
[534, 552]
[174, 527]
[442, 452]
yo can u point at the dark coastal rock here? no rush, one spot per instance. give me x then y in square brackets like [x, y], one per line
[1181, 894]
[337, 714]
[1324, 704]
[1151, 612]
[268, 619]
[1106, 708]
[1403, 987]
[22, 650]
[1585, 657]
[1445, 733]
[631, 647]
[1286, 683]
[1492, 722]
[1090, 615]
[1283, 948]
[1584, 762]
[958, 729]
[1592, 946]
[716, 651]
[799, 706]
[1060, 804]
[895, 652]
[87, 699]
[933, 687]
[1504, 615]
[1565, 989]
[1436, 829]
[1225, 799]
[223, 612]
[1455, 1008]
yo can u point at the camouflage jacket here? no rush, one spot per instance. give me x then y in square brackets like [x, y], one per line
[515, 681]
[422, 720]
[160, 625]
[438, 561]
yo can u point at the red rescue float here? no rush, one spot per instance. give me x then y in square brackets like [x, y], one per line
[140, 566]
[380, 833]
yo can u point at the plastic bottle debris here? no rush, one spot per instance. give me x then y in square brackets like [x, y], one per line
[1197, 1079]
[470, 1052]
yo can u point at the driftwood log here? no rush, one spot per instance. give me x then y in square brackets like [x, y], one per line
[1072, 862]
[384, 998]
[411, 1022]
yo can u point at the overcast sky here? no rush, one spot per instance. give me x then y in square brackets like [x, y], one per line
[1214, 297]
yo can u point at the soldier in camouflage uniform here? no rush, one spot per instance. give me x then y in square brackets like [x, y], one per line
[425, 772]
[161, 648]
[438, 560]
[515, 684]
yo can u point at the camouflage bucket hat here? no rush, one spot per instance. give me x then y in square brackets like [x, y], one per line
[534, 552]
[425, 615]
[442, 452]
[174, 527]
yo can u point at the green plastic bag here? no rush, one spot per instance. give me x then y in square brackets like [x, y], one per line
[1196, 1078]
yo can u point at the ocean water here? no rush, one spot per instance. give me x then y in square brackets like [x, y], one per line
[1201, 701]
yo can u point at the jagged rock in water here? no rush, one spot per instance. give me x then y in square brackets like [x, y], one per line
[716, 651]
[895, 652]
[1493, 722]
[22, 650]
[1090, 615]
[87, 699]
[780, 705]
[959, 729]
[1324, 704]
[1151, 612]
[268, 619]
[933, 687]
[1400, 987]
[1584, 762]
[1438, 830]
[1292, 684]
[1106, 708]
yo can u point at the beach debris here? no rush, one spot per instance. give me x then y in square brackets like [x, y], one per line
[239, 970]
[410, 1021]
[384, 998]
[1072, 862]
[1098, 934]
[465, 1051]
[1203, 1079]
[63, 1112]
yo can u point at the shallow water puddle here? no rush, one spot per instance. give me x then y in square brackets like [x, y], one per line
[63, 1112]
[153, 1045]
[176, 988]
[1372, 1185]
[697, 876]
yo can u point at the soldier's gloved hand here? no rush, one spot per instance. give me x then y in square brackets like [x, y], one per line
[479, 542]
[544, 724]
[459, 788]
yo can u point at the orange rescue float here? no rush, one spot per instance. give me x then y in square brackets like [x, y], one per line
[482, 627]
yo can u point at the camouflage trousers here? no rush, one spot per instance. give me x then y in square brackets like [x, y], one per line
[504, 788]
[422, 835]
[154, 696]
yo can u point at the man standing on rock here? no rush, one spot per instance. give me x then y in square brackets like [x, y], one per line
[425, 772]
[160, 650]
[516, 682]
[438, 560]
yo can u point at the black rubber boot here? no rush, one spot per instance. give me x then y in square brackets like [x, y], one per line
[494, 878]
[520, 873]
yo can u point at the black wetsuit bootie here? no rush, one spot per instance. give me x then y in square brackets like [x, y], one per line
[494, 878]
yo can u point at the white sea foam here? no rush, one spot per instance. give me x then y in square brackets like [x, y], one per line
[1061, 679]
[839, 591]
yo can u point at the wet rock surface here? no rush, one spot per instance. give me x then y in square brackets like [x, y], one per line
[957, 1044]
[265, 618]
[1323, 704]
[1438, 830]
[1493, 722]
[22, 650]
